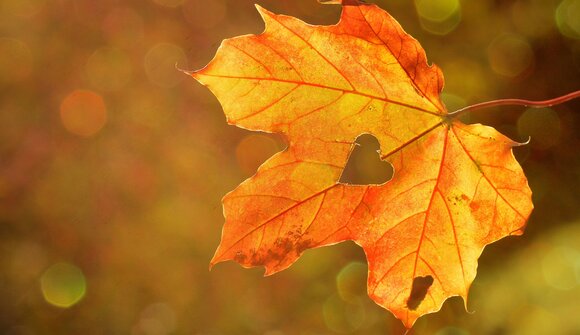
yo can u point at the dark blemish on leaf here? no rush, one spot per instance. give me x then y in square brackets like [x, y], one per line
[303, 245]
[458, 199]
[283, 246]
[240, 257]
[256, 259]
[478, 165]
[452, 200]
[419, 290]
[274, 254]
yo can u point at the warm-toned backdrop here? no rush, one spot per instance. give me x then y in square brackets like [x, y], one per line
[112, 166]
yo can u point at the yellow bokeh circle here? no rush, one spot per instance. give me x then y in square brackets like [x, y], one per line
[542, 125]
[437, 10]
[439, 17]
[510, 55]
[63, 285]
[351, 281]
[567, 17]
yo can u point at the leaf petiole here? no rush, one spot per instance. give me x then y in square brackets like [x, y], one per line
[520, 102]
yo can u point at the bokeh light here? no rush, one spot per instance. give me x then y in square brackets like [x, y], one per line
[437, 10]
[535, 291]
[567, 18]
[109, 69]
[342, 316]
[63, 285]
[542, 125]
[536, 320]
[351, 281]
[439, 17]
[510, 55]
[16, 60]
[156, 319]
[533, 18]
[160, 62]
[559, 267]
[83, 113]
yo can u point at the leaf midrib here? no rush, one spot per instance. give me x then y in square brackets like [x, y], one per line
[371, 96]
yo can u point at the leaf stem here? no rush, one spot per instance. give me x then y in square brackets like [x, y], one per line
[520, 102]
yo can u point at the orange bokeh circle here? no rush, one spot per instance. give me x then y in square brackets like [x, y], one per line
[83, 113]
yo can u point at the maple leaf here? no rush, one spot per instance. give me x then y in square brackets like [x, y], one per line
[455, 189]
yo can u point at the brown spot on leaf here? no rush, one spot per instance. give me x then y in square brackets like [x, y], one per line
[458, 199]
[240, 257]
[303, 245]
[256, 259]
[418, 292]
[285, 244]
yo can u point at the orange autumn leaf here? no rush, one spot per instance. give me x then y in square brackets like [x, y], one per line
[455, 189]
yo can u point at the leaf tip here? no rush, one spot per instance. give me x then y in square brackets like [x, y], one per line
[217, 258]
[187, 72]
[181, 70]
[212, 263]
[519, 144]
[263, 12]
[465, 304]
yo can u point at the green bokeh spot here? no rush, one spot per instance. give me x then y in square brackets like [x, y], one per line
[63, 285]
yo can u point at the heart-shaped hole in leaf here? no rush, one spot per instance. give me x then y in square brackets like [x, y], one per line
[364, 166]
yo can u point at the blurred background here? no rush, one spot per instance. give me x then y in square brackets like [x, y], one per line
[113, 164]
